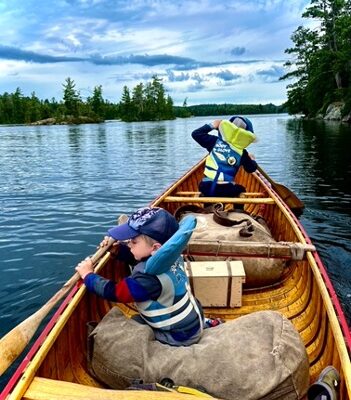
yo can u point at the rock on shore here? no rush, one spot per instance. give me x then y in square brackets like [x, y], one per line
[68, 120]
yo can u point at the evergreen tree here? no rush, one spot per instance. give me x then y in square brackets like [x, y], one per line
[148, 102]
[7, 114]
[169, 113]
[183, 112]
[138, 102]
[18, 106]
[126, 106]
[159, 98]
[71, 98]
[33, 109]
[111, 110]
[306, 45]
[46, 109]
[97, 102]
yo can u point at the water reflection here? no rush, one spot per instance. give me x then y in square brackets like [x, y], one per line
[321, 153]
[101, 136]
[74, 137]
[152, 135]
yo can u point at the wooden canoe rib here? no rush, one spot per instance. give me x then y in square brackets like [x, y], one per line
[55, 365]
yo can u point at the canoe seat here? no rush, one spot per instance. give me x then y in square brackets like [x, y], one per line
[44, 389]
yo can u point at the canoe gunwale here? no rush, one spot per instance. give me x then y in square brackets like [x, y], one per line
[330, 299]
[35, 348]
[52, 329]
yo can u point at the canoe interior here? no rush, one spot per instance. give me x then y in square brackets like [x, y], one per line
[301, 296]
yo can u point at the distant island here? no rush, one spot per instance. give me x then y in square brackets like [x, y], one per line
[227, 109]
[145, 102]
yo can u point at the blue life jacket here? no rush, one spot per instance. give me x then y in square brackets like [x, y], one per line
[223, 162]
[175, 308]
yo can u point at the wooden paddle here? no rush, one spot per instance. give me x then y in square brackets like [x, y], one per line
[15, 341]
[290, 198]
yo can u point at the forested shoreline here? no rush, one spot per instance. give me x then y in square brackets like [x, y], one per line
[145, 102]
[320, 63]
[201, 110]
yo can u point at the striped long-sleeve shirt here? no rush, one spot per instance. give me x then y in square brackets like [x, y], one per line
[136, 288]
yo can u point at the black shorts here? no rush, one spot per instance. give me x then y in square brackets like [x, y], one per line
[220, 190]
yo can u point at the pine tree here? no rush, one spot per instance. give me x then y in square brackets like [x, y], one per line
[18, 106]
[97, 101]
[33, 109]
[138, 102]
[71, 98]
[126, 106]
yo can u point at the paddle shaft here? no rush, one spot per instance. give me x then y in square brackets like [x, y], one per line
[289, 197]
[15, 341]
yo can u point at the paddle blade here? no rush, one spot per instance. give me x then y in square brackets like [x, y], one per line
[289, 197]
[15, 341]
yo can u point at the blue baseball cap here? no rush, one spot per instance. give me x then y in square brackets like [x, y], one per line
[154, 222]
[242, 122]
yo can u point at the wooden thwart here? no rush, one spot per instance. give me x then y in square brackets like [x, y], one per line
[234, 200]
[286, 250]
[245, 194]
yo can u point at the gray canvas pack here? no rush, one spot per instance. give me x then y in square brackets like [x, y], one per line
[258, 356]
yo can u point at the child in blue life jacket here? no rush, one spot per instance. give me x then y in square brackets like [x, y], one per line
[158, 284]
[227, 152]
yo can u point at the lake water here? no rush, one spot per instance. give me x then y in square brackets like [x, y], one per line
[62, 187]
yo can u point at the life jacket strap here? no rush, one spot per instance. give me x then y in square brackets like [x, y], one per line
[196, 308]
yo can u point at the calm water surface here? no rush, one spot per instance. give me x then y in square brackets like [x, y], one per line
[62, 187]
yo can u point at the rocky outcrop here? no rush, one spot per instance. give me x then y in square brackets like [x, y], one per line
[47, 121]
[69, 120]
[334, 111]
[347, 118]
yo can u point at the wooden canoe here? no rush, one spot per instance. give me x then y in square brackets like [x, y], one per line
[55, 366]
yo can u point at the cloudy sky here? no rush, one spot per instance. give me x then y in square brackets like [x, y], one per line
[208, 51]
